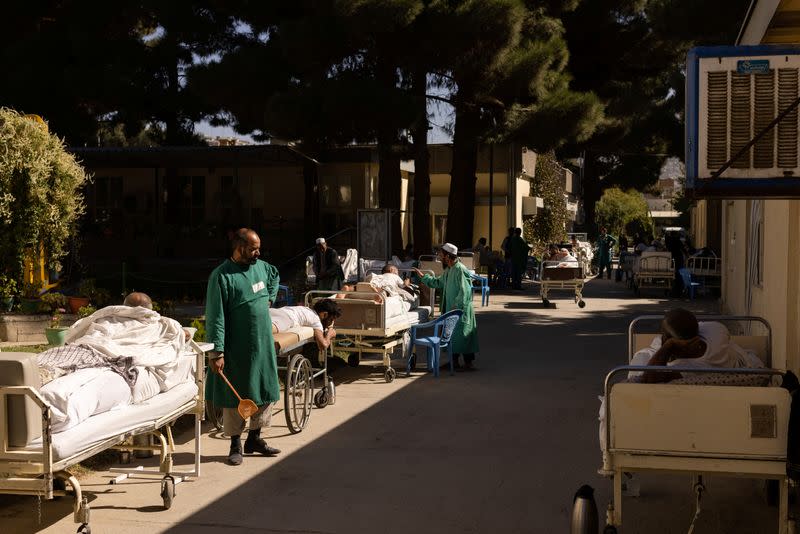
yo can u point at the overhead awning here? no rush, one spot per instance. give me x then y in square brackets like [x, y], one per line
[771, 22]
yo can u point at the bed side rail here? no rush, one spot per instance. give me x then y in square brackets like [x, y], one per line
[614, 373]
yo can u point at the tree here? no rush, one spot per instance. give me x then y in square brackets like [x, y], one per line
[549, 223]
[40, 192]
[512, 85]
[624, 211]
[631, 53]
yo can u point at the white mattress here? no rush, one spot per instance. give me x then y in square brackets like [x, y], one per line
[87, 392]
[412, 317]
[106, 425]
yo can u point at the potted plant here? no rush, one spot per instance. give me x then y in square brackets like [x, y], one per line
[55, 333]
[29, 304]
[86, 290]
[8, 290]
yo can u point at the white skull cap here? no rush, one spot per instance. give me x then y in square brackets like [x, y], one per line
[320, 240]
[450, 249]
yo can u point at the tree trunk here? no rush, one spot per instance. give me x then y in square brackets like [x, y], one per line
[422, 177]
[591, 192]
[390, 183]
[311, 205]
[461, 201]
[389, 176]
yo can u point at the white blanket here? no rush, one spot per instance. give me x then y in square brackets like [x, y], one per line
[144, 335]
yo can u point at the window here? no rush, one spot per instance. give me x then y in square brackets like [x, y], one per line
[193, 199]
[336, 192]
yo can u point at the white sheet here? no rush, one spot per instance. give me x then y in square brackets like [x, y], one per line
[150, 339]
[77, 396]
[113, 423]
[394, 306]
[415, 316]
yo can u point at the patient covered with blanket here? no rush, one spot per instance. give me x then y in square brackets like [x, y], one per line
[117, 356]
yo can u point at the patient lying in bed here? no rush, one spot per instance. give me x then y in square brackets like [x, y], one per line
[117, 356]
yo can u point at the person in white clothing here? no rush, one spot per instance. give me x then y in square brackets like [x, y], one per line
[390, 283]
[320, 318]
[686, 343]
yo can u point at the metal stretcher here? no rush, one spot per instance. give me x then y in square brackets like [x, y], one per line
[736, 430]
[364, 328]
[38, 470]
[706, 271]
[654, 270]
[553, 276]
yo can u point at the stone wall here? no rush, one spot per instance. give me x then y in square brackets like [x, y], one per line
[28, 328]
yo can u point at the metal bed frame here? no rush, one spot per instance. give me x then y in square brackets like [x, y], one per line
[618, 460]
[575, 283]
[34, 472]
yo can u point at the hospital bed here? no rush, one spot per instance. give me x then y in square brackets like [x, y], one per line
[707, 271]
[714, 421]
[372, 324]
[35, 460]
[562, 276]
[654, 270]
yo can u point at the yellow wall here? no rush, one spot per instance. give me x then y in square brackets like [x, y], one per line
[777, 298]
[499, 227]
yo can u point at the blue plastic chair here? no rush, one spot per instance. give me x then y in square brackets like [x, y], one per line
[443, 328]
[284, 298]
[688, 284]
[483, 287]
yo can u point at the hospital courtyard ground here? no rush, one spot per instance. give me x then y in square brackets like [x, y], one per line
[499, 450]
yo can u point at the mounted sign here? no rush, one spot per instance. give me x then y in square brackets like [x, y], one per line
[742, 122]
[374, 234]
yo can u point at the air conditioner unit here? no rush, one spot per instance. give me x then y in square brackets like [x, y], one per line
[733, 95]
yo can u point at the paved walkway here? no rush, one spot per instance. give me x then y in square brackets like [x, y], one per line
[499, 450]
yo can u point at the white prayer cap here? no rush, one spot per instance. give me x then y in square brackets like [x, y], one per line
[450, 249]
[320, 241]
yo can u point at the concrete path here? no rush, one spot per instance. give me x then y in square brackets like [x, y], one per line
[498, 450]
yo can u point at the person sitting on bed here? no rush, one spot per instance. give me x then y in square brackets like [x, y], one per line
[390, 283]
[320, 318]
[686, 343]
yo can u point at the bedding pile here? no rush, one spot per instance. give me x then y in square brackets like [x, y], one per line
[117, 356]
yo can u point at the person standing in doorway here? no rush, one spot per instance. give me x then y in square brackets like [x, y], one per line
[239, 295]
[456, 285]
[605, 245]
[327, 267]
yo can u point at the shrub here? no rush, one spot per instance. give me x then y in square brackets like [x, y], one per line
[40, 193]
[200, 335]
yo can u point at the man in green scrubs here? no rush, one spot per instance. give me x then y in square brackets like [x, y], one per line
[456, 285]
[239, 294]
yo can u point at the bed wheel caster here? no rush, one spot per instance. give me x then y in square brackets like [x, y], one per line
[352, 360]
[581, 304]
[167, 491]
[545, 303]
[610, 529]
[321, 398]
[389, 375]
[84, 529]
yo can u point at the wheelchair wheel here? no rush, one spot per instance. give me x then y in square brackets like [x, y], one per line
[581, 304]
[298, 393]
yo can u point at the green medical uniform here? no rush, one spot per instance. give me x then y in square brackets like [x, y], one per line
[239, 325]
[456, 286]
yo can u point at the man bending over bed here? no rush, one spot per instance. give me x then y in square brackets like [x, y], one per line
[320, 318]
